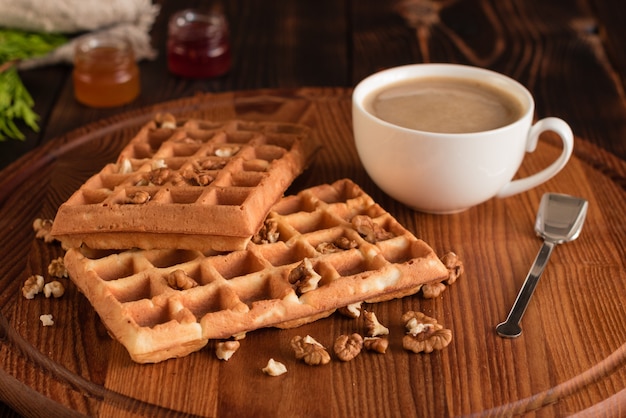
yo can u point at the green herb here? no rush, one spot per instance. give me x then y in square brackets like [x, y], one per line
[15, 101]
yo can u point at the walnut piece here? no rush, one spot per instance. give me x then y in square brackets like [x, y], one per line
[198, 177]
[370, 230]
[138, 198]
[179, 280]
[159, 176]
[212, 164]
[424, 334]
[433, 290]
[274, 368]
[340, 244]
[32, 286]
[268, 234]
[351, 311]
[46, 320]
[454, 265]
[226, 349]
[376, 344]
[53, 289]
[42, 228]
[125, 166]
[257, 164]
[309, 350]
[165, 120]
[56, 268]
[304, 277]
[226, 150]
[347, 347]
[374, 328]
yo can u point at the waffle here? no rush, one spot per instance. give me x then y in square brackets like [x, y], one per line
[322, 249]
[193, 185]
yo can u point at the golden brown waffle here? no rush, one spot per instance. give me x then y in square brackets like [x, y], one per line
[167, 303]
[196, 185]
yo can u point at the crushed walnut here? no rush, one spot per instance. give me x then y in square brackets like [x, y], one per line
[373, 326]
[53, 289]
[347, 347]
[351, 311]
[268, 234]
[42, 228]
[56, 268]
[424, 334]
[165, 120]
[226, 150]
[304, 277]
[32, 286]
[340, 244]
[179, 280]
[274, 368]
[198, 177]
[376, 344]
[159, 176]
[309, 350]
[370, 230]
[433, 290]
[212, 164]
[138, 198]
[226, 349]
[46, 320]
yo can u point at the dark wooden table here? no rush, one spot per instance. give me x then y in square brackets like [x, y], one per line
[571, 55]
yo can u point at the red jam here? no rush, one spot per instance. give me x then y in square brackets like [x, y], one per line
[198, 44]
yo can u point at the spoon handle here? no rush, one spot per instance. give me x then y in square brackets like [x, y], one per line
[511, 328]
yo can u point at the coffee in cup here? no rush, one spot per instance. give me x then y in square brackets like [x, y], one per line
[443, 137]
[445, 105]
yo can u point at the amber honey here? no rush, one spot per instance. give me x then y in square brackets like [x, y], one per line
[105, 72]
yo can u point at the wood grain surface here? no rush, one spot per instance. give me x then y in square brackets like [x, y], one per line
[571, 357]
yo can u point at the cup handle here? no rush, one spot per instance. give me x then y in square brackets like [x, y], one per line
[562, 129]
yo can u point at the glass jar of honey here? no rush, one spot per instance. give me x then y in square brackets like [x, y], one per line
[105, 72]
[198, 44]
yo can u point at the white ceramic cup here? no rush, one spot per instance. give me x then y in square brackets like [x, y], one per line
[450, 172]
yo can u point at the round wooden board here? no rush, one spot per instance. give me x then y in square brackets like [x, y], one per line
[571, 356]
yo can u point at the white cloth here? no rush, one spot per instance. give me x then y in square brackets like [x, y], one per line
[130, 19]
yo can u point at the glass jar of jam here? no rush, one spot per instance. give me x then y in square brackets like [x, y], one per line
[198, 44]
[105, 72]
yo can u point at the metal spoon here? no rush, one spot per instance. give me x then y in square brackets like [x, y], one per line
[560, 219]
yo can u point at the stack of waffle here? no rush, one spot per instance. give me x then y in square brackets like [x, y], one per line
[186, 238]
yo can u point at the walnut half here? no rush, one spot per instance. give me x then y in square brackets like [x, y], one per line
[309, 350]
[370, 230]
[32, 286]
[348, 347]
[53, 289]
[179, 280]
[454, 265]
[304, 277]
[376, 344]
[42, 228]
[56, 268]
[424, 334]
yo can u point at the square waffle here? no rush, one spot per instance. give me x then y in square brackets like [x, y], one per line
[190, 185]
[322, 249]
